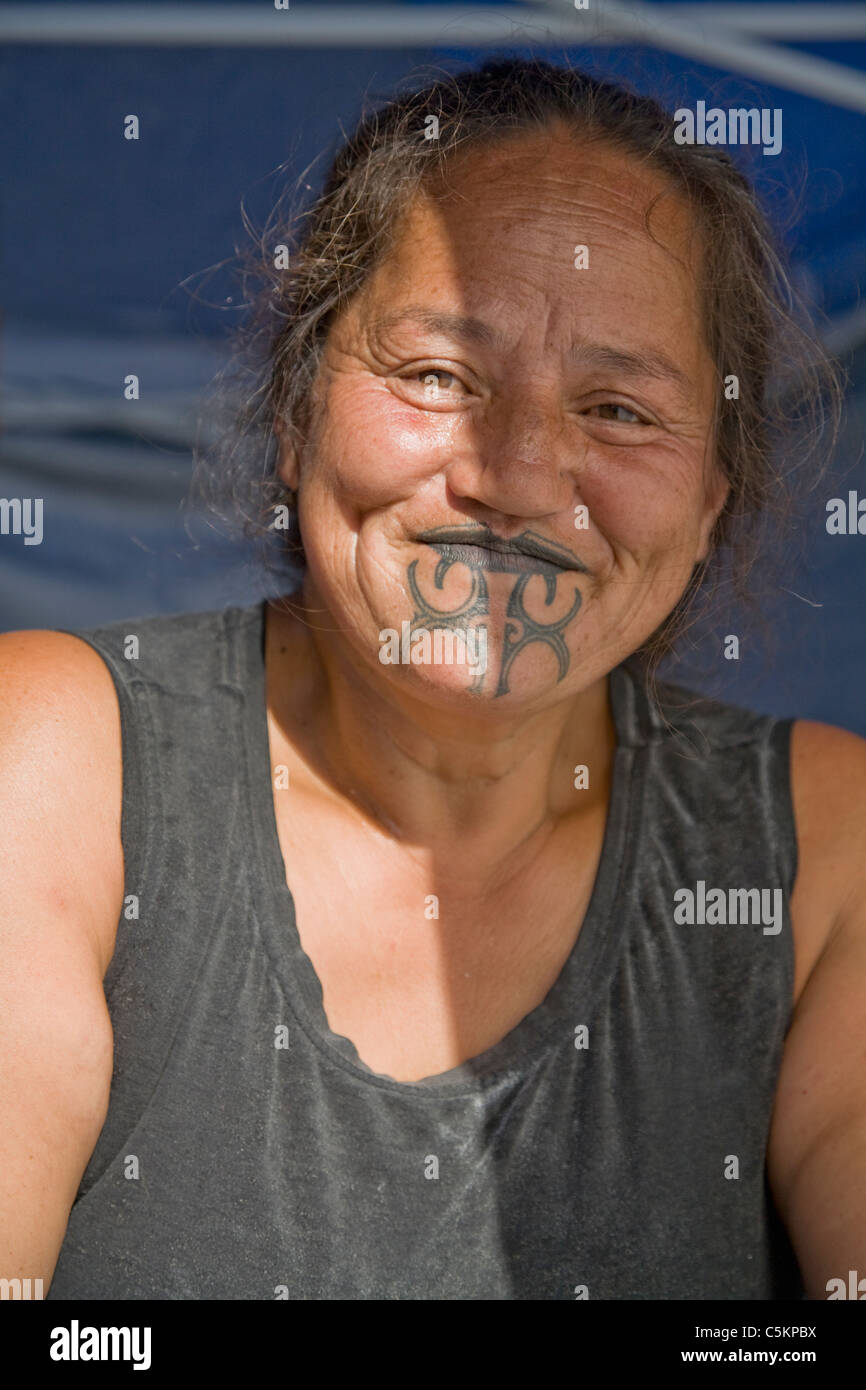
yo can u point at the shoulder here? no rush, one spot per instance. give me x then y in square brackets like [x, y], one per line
[55, 687]
[826, 764]
[182, 652]
[818, 1143]
[705, 723]
[693, 724]
[828, 789]
[828, 793]
[828, 778]
[62, 874]
[69, 713]
[61, 777]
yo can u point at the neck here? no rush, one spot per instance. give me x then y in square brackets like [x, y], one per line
[435, 776]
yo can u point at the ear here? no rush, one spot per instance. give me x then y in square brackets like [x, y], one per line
[287, 456]
[718, 490]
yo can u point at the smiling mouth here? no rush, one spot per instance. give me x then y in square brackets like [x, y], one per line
[481, 549]
[483, 557]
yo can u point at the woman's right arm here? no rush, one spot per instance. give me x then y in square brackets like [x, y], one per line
[61, 894]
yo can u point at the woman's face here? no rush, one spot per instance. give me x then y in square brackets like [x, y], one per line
[512, 437]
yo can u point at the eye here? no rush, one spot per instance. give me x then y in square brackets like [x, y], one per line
[432, 386]
[432, 380]
[619, 414]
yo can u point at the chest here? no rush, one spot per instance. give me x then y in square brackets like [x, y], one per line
[425, 961]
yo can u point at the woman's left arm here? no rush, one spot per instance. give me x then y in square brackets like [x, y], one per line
[817, 1150]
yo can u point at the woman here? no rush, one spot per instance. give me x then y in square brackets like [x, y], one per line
[484, 967]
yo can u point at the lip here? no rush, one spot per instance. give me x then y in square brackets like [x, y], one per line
[526, 554]
[496, 561]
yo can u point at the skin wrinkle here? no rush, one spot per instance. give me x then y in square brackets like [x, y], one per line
[637, 364]
[516, 456]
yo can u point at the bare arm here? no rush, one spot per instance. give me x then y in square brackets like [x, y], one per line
[61, 889]
[817, 1153]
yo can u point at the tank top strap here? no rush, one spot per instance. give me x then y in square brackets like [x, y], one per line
[717, 777]
[182, 689]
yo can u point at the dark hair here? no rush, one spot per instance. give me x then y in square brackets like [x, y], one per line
[767, 441]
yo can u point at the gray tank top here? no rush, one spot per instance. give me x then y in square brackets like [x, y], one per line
[611, 1146]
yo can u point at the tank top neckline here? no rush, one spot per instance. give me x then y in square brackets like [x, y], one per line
[575, 993]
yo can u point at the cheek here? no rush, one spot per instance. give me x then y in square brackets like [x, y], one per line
[375, 449]
[647, 505]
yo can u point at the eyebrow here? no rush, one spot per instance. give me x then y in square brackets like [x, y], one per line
[653, 363]
[455, 325]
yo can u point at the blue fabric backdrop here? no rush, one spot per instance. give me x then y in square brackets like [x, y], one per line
[103, 240]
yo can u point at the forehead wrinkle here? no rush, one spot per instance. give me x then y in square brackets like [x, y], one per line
[587, 181]
[635, 363]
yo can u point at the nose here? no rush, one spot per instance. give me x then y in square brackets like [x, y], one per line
[515, 460]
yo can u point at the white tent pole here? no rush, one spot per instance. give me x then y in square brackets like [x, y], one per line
[331, 25]
[306, 24]
[776, 21]
[719, 48]
[696, 34]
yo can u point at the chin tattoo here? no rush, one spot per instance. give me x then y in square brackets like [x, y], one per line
[522, 630]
